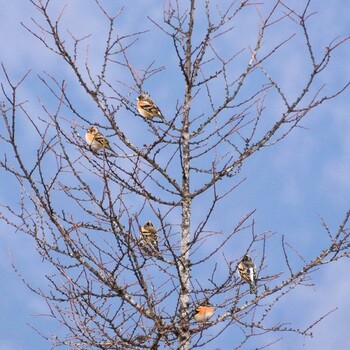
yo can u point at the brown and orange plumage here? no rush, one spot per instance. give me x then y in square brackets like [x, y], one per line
[247, 271]
[96, 140]
[149, 237]
[147, 107]
[203, 312]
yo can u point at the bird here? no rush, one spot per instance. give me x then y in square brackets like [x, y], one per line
[147, 107]
[96, 140]
[203, 312]
[247, 271]
[149, 237]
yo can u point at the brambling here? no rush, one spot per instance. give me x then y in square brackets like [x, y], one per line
[203, 312]
[247, 272]
[149, 237]
[96, 140]
[147, 107]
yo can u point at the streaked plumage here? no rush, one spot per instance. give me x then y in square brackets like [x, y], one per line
[203, 312]
[149, 237]
[147, 107]
[247, 271]
[96, 140]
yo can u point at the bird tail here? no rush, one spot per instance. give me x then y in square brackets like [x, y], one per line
[162, 118]
[159, 116]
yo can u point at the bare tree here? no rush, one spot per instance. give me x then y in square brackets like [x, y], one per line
[85, 207]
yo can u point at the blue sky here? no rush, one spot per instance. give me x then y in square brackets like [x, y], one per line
[290, 184]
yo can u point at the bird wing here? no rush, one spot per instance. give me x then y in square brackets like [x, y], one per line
[150, 238]
[102, 140]
[150, 107]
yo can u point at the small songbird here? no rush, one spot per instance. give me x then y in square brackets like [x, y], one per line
[147, 107]
[247, 271]
[96, 140]
[203, 312]
[149, 237]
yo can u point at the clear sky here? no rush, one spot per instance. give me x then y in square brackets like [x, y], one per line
[291, 185]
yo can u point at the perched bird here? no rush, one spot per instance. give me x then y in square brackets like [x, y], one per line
[147, 107]
[203, 312]
[247, 271]
[96, 140]
[149, 237]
